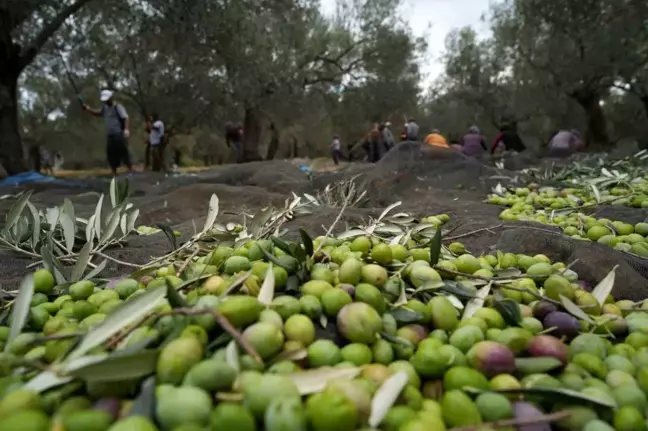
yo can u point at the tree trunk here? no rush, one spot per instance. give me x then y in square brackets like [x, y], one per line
[274, 142]
[596, 136]
[251, 134]
[12, 156]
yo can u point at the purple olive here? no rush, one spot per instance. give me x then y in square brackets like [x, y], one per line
[112, 406]
[565, 324]
[524, 410]
[542, 308]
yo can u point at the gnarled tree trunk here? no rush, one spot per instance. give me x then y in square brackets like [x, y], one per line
[12, 156]
[251, 134]
[597, 136]
[274, 142]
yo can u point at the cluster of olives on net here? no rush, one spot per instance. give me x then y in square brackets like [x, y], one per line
[364, 312]
[541, 207]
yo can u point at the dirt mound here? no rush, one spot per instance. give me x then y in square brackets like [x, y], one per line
[192, 202]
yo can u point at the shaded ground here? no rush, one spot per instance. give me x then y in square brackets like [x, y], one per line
[428, 181]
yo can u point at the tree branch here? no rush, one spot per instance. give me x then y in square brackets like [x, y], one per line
[30, 51]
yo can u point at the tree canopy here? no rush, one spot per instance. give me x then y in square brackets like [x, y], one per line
[293, 76]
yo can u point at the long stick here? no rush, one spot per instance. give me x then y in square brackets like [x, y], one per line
[69, 77]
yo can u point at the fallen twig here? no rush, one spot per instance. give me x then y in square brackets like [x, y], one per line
[472, 232]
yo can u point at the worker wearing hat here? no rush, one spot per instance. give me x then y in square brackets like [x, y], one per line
[117, 130]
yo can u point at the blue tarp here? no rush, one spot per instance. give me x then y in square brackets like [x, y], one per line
[36, 177]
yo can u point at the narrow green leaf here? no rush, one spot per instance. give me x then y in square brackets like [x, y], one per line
[307, 241]
[509, 310]
[113, 192]
[282, 245]
[274, 260]
[122, 191]
[52, 217]
[386, 396]
[68, 208]
[20, 308]
[36, 224]
[16, 210]
[405, 315]
[81, 263]
[174, 298]
[212, 214]
[299, 253]
[128, 313]
[232, 356]
[117, 367]
[388, 209]
[395, 340]
[46, 380]
[477, 302]
[266, 293]
[96, 271]
[168, 232]
[97, 218]
[52, 264]
[435, 248]
[562, 396]
[574, 309]
[605, 286]
[144, 403]
[111, 226]
[90, 228]
[130, 220]
[456, 289]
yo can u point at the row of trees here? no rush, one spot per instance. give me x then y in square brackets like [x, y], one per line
[279, 67]
[294, 77]
[548, 65]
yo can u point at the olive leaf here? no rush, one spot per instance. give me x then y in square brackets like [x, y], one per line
[282, 245]
[127, 314]
[111, 225]
[405, 315]
[307, 241]
[168, 232]
[388, 209]
[16, 210]
[174, 298]
[232, 356]
[212, 214]
[386, 396]
[605, 286]
[435, 248]
[395, 340]
[46, 380]
[274, 260]
[97, 270]
[145, 402]
[456, 289]
[52, 264]
[97, 218]
[36, 225]
[118, 191]
[82, 262]
[574, 309]
[510, 311]
[477, 302]
[266, 293]
[553, 395]
[116, 367]
[315, 380]
[20, 308]
[90, 228]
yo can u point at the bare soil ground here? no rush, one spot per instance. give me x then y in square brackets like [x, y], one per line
[426, 181]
